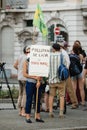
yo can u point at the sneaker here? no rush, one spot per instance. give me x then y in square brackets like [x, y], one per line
[51, 115]
[28, 121]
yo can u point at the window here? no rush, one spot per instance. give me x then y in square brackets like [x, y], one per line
[29, 23]
[0, 3]
[51, 33]
[7, 44]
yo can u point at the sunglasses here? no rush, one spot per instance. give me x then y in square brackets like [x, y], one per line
[27, 52]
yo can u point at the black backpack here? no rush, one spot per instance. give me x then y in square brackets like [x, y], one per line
[75, 67]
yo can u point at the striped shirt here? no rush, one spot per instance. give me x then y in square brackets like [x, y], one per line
[54, 64]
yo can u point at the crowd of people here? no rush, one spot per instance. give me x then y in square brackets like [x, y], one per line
[31, 86]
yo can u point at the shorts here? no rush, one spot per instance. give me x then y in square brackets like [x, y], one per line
[77, 76]
[57, 86]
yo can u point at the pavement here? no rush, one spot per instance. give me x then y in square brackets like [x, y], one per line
[75, 119]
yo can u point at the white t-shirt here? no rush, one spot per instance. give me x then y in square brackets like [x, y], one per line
[21, 60]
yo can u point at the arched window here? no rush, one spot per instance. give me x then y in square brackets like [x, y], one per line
[7, 45]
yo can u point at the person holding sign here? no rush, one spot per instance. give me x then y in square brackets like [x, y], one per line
[32, 85]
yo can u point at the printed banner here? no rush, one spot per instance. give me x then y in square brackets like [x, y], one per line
[39, 60]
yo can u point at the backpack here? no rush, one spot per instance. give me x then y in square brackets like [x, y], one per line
[75, 67]
[62, 71]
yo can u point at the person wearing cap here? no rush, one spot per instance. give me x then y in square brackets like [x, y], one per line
[69, 87]
[54, 81]
[18, 65]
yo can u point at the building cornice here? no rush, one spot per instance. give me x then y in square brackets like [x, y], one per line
[46, 7]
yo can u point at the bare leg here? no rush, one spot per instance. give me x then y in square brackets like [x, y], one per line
[46, 100]
[23, 112]
[74, 84]
[61, 115]
[51, 106]
[82, 92]
[70, 89]
[28, 116]
[51, 103]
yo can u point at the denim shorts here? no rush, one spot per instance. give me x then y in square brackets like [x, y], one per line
[77, 76]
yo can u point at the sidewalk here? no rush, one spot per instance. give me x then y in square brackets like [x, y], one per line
[75, 119]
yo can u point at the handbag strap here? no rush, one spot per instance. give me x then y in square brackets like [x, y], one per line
[61, 58]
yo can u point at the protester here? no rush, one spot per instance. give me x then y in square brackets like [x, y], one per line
[69, 88]
[85, 72]
[45, 105]
[46, 98]
[22, 81]
[32, 85]
[78, 78]
[54, 82]
[82, 53]
[82, 56]
[84, 77]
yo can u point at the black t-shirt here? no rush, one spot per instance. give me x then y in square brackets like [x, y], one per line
[82, 52]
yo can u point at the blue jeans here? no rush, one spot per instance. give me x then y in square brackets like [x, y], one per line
[30, 92]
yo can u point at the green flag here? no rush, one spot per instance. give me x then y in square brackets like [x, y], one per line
[39, 21]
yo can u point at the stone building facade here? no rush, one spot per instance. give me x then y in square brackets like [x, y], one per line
[16, 28]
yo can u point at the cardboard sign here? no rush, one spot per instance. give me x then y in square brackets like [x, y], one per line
[39, 60]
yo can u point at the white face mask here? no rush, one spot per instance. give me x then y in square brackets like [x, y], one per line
[28, 55]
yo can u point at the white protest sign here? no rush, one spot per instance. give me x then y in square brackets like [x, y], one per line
[39, 60]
